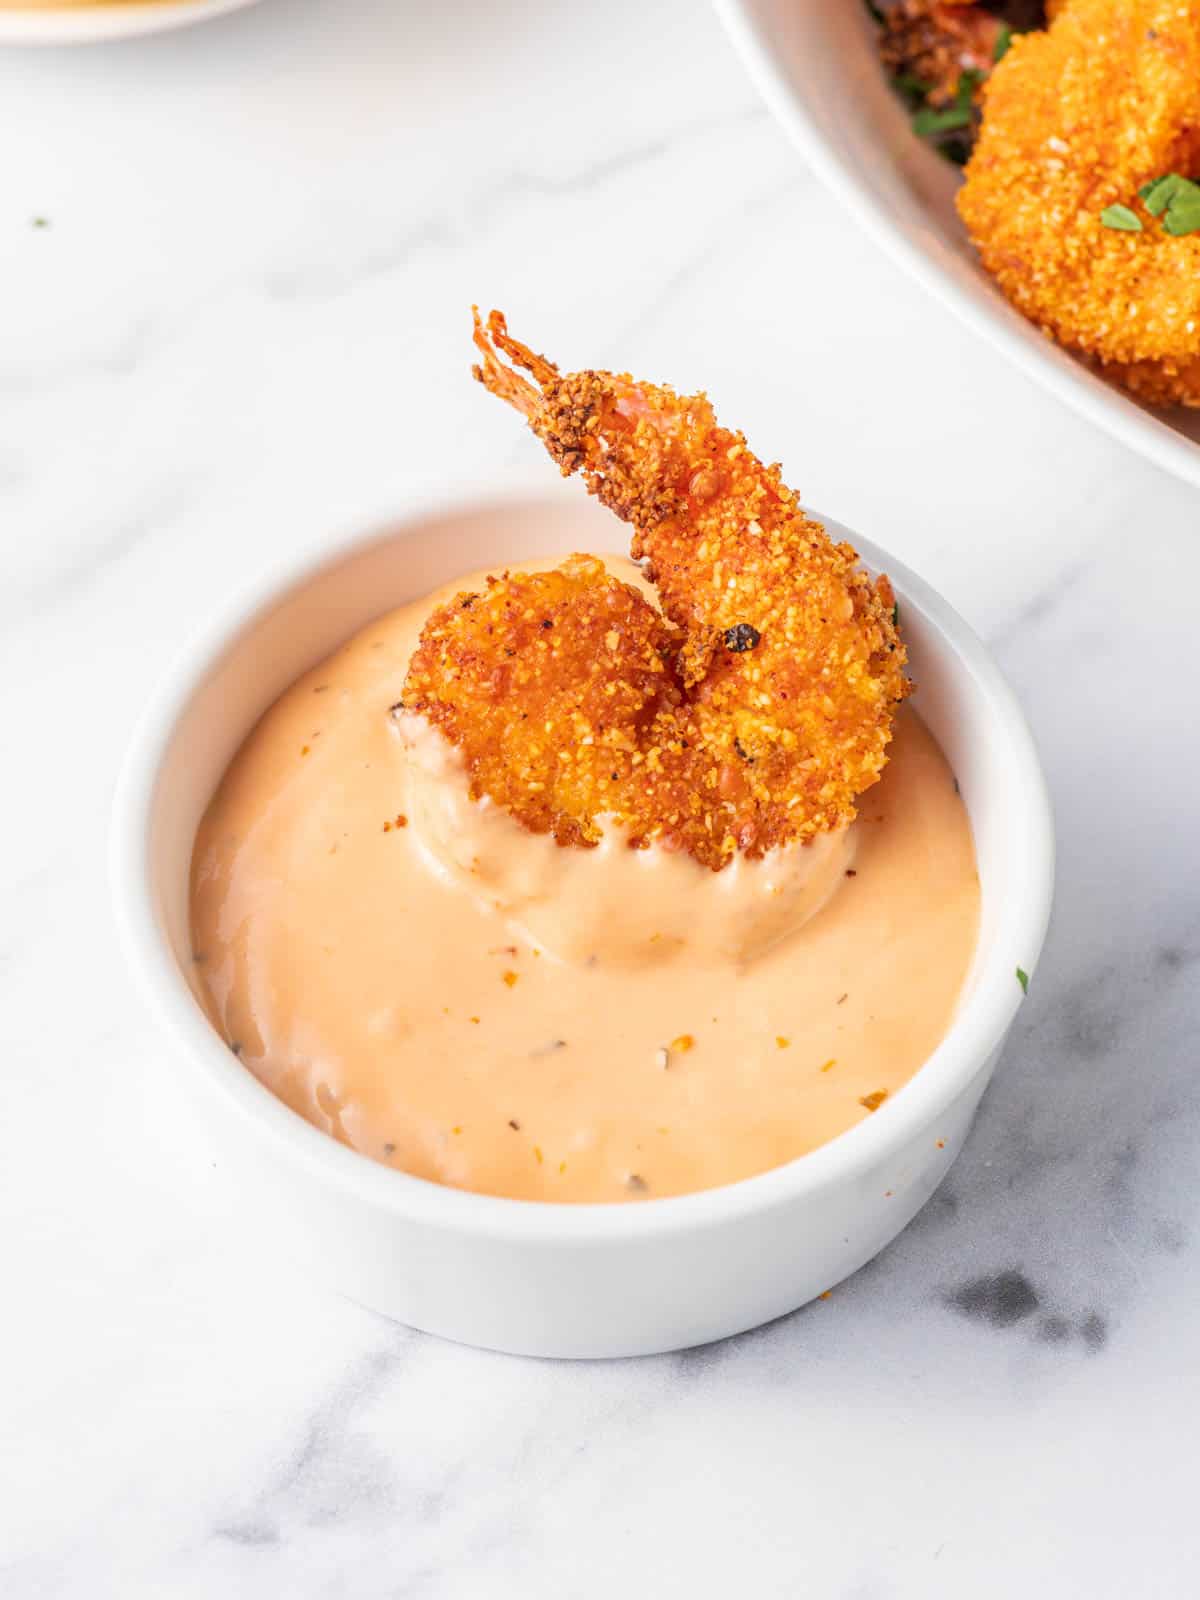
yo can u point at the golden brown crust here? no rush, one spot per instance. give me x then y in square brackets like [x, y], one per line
[752, 712]
[1076, 119]
[547, 683]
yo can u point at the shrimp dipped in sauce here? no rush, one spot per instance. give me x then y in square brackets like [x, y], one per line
[748, 713]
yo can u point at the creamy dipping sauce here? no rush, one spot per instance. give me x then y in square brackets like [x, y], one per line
[424, 980]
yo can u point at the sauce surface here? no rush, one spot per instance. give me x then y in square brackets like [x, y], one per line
[394, 998]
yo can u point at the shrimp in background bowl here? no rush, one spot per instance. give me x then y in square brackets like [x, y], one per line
[1079, 122]
[748, 711]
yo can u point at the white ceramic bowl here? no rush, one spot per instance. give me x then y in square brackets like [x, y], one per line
[554, 1279]
[96, 24]
[814, 62]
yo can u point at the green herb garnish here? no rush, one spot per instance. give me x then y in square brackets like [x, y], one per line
[896, 614]
[1158, 194]
[930, 120]
[876, 13]
[1183, 209]
[911, 88]
[1176, 200]
[1003, 40]
[1023, 979]
[1183, 219]
[1122, 219]
[948, 119]
[39, 222]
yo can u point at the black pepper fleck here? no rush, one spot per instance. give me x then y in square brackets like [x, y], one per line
[742, 636]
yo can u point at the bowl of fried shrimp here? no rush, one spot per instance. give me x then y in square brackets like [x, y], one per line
[720, 537]
[56, 22]
[1032, 164]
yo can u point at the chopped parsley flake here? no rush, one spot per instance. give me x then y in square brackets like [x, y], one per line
[1160, 192]
[1183, 210]
[915, 90]
[1023, 979]
[1173, 198]
[930, 120]
[945, 119]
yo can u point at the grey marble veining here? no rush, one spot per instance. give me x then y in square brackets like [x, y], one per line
[251, 300]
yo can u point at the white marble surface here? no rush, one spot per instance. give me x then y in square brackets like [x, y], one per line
[251, 294]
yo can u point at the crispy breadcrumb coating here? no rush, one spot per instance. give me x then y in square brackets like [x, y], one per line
[548, 683]
[750, 713]
[1076, 119]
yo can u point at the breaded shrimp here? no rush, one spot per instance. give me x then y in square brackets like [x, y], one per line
[750, 713]
[1077, 119]
[573, 653]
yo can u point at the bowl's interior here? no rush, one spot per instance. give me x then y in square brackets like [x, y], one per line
[959, 694]
[817, 65]
[829, 55]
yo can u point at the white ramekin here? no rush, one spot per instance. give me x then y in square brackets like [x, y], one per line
[553, 1279]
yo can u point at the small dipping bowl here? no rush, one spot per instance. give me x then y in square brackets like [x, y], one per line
[530, 1277]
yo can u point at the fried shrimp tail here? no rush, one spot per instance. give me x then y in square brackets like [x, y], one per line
[748, 714]
[500, 380]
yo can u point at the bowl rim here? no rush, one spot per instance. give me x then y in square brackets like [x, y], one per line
[975, 1032]
[979, 304]
[105, 21]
